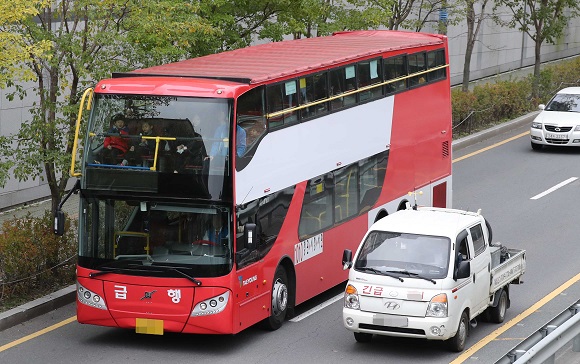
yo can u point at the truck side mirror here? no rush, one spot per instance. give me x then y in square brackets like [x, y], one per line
[346, 259]
[463, 270]
[59, 221]
[250, 236]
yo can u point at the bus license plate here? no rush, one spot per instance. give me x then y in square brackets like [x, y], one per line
[556, 136]
[149, 326]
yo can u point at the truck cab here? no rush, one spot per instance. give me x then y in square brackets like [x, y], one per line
[422, 273]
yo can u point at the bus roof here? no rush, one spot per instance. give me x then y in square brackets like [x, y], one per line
[269, 61]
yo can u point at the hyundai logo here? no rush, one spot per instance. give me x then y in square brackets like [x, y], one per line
[557, 129]
[391, 305]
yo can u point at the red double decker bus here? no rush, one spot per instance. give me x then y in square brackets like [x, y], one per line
[239, 178]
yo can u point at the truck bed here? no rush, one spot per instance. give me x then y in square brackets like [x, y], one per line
[508, 271]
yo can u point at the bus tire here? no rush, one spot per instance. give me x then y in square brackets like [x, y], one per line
[497, 313]
[279, 303]
[457, 342]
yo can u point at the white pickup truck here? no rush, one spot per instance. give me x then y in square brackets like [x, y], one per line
[428, 273]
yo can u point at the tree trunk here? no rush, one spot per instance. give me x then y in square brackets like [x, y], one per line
[470, 19]
[537, 63]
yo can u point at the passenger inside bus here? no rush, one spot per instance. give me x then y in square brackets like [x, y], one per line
[217, 230]
[190, 152]
[118, 148]
[220, 139]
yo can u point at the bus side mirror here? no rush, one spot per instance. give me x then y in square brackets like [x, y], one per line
[346, 259]
[59, 221]
[250, 236]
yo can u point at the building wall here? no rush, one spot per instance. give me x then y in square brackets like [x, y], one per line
[12, 114]
[500, 50]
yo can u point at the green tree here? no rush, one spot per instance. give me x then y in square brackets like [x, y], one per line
[88, 39]
[542, 20]
[474, 13]
[18, 48]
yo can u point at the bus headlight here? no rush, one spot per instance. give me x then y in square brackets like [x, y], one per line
[90, 298]
[437, 306]
[351, 298]
[211, 306]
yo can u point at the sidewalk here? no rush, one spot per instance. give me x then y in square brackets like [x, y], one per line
[67, 295]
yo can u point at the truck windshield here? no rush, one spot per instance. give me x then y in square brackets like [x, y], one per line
[423, 255]
[133, 237]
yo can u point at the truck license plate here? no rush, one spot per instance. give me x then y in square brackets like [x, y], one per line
[389, 320]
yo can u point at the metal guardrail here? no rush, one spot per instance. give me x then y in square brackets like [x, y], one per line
[541, 347]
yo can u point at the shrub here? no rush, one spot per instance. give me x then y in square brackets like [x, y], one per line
[33, 258]
[492, 103]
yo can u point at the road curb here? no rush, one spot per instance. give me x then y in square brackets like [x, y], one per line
[37, 307]
[491, 132]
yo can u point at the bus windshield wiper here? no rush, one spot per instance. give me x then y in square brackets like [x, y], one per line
[179, 270]
[112, 270]
[388, 274]
[414, 275]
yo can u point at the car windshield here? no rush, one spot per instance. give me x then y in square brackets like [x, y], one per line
[392, 252]
[564, 102]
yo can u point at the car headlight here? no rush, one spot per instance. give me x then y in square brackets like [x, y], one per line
[437, 306]
[351, 298]
[577, 128]
[536, 125]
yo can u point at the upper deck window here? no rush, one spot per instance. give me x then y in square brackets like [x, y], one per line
[342, 81]
[177, 135]
[436, 59]
[369, 73]
[282, 96]
[313, 88]
[417, 64]
[395, 67]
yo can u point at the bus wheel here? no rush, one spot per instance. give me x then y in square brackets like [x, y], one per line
[279, 299]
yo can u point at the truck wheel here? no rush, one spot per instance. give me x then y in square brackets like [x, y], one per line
[457, 342]
[497, 313]
[279, 300]
[362, 337]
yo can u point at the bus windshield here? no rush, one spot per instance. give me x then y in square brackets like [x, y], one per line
[148, 238]
[177, 135]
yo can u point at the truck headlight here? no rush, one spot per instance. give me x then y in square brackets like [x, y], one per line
[351, 298]
[536, 125]
[437, 306]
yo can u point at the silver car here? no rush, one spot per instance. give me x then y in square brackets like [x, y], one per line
[558, 123]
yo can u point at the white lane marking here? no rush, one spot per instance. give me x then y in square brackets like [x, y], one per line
[317, 308]
[561, 184]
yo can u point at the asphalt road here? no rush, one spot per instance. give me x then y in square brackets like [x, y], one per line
[504, 180]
